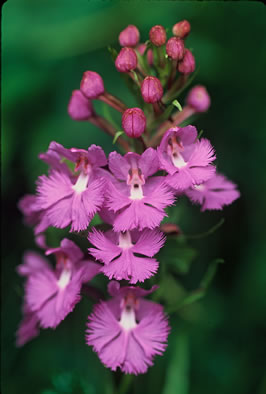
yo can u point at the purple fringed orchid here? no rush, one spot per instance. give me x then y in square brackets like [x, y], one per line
[119, 253]
[127, 331]
[69, 199]
[186, 159]
[137, 198]
[51, 294]
[214, 193]
[34, 216]
[28, 327]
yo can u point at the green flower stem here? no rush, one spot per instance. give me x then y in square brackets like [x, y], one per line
[199, 293]
[125, 384]
[108, 129]
[206, 233]
[172, 74]
[176, 87]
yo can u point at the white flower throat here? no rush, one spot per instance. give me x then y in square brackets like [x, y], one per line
[128, 317]
[174, 149]
[125, 240]
[135, 180]
[65, 266]
[85, 168]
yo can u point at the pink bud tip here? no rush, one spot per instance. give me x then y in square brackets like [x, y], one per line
[181, 29]
[175, 48]
[79, 106]
[158, 35]
[170, 228]
[187, 64]
[198, 98]
[92, 84]
[126, 60]
[134, 122]
[141, 48]
[151, 90]
[129, 37]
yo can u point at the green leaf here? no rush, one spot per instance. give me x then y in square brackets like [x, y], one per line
[177, 105]
[206, 233]
[113, 52]
[135, 76]
[177, 379]
[200, 134]
[197, 294]
[117, 135]
[210, 273]
[96, 220]
[182, 260]
[170, 291]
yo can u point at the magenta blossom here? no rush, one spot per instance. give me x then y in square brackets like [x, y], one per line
[126, 60]
[127, 331]
[139, 200]
[33, 215]
[157, 35]
[70, 199]
[28, 327]
[186, 159]
[181, 29]
[79, 106]
[134, 122]
[198, 98]
[129, 37]
[118, 252]
[51, 294]
[214, 193]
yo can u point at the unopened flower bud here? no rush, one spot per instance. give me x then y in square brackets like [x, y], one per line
[170, 228]
[79, 106]
[187, 64]
[142, 48]
[151, 90]
[129, 37]
[181, 29]
[133, 122]
[175, 48]
[92, 84]
[158, 35]
[126, 60]
[198, 98]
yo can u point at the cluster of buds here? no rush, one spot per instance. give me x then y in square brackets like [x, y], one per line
[130, 193]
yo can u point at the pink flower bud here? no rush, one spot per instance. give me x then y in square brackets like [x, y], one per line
[198, 98]
[129, 37]
[175, 48]
[79, 106]
[151, 90]
[187, 64]
[134, 122]
[141, 48]
[126, 60]
[158, 35]
[181, 29]
[92, 84]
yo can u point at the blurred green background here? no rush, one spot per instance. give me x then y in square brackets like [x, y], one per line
[216, 345]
